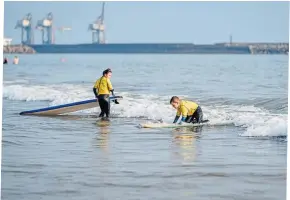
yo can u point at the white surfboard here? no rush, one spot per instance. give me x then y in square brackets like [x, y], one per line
[166, 125]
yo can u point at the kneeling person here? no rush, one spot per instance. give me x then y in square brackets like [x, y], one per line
[191, 112]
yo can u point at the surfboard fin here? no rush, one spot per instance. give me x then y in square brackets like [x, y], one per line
[116, 101]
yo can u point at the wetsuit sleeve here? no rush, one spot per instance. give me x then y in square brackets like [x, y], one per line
[112, 92]
[183, 118]
[95, 92]
[176, 119]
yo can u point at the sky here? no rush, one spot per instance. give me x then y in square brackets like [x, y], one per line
[142, 22]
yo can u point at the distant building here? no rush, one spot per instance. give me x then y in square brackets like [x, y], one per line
[7, 41]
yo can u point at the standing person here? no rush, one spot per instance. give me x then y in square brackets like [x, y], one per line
[102, 89]
[5, 61]
[15, 60]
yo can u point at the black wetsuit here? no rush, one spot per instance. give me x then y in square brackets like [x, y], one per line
[196, 117]
[104, 103]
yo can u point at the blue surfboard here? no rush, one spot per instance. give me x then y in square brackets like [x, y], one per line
[67, 108]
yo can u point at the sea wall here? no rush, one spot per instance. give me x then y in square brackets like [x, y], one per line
[269, 48]
[255, 48]
[263, 48]
[19, 49]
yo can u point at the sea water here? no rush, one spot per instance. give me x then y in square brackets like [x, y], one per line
[79, 157]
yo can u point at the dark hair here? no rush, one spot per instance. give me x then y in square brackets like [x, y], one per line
[107, 71]
[174, 98]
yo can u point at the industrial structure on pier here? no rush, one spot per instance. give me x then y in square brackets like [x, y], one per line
[98, 28]
[25, 25]
[47, 28]
[45, 25]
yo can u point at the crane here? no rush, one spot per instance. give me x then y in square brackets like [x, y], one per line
[46, 27]
[26, 29]
[98, 28]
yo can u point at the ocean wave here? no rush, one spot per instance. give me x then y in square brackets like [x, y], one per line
[257, 121]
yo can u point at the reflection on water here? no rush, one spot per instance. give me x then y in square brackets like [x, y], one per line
[184, 142]
[69, 116]
[102, 137]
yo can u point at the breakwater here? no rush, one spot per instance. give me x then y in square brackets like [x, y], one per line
[254, 48]
[269, 49]
[18, 49]
[264, 48]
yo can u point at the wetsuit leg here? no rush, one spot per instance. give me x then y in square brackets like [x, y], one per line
[197, 116]
[108, 108]
[102, 114]
[103, 104]
[188, 119]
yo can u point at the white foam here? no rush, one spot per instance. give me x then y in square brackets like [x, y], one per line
[255, 121]
[271, 127]
[16, 81]
[63, 93]
[30, 93]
